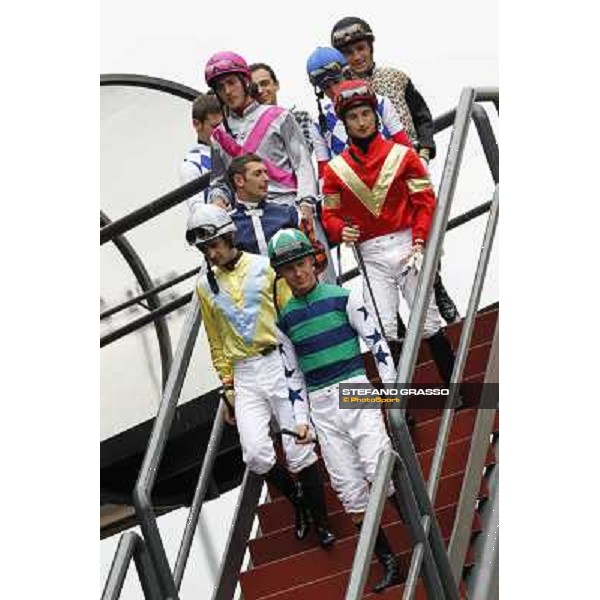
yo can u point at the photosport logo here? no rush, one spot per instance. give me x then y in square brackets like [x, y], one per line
[389, 395]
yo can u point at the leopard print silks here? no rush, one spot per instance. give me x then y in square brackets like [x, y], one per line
[392, 83]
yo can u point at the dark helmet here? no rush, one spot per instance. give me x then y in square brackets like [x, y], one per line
[349, 30]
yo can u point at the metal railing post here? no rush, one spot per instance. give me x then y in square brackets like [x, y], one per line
[131, 546]
[155, 449]
[461, 533]
[203, 482]
[488, 140]
[434, 246]
[434, 576]
[239, 533]
[398, 426]
[146, 574]
[459, 364]
[120, 565]
[484, 582]
[372, 518]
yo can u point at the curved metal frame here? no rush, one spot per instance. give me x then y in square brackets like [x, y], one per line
[143, 277]
[125, 248]
[151, 83]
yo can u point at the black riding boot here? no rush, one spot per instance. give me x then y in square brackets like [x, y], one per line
[387, 558]
[444, 303]
[282, 480]
[394, 500]
[396, 350]
[314, 497]
[444, 358]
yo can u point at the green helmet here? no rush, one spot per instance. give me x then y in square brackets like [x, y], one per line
[288, 245]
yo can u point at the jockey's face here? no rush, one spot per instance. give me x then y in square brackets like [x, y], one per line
[253, 186]
[205, 128]
[219, 251]
[359, 56]
[360, 122]
[267, 88]
[232, 92]
[300, 275]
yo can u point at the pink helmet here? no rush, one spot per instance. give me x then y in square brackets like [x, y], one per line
[225, 63]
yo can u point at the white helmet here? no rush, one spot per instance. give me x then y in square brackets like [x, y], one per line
[207, 222]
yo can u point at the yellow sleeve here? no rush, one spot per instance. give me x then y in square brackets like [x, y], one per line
[283, 293]
[221, 364]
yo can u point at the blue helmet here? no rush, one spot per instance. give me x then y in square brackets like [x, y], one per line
[325, 65]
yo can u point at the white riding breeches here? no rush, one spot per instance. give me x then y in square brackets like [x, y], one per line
[384, 258]
[261, 391]
[351, 441]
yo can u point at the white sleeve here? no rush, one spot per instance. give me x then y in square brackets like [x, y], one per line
[188, 172]
[295, 379]
[390, 118]
[299, 157]
[218, 169]
[322, 152]
[368, 330]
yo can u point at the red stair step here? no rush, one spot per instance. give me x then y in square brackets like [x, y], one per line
[396, 591]
[477, 358]
[424, 435]
[483, 331]
[282, 542]
[335, 586]
[276, 515]
[324, 573]
[470, 400]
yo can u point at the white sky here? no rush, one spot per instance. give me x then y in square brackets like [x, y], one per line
[442, 45]
[173, 40]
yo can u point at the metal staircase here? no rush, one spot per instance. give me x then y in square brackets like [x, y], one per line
[451, 448]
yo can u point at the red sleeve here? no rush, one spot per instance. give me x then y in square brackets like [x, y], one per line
[402, 138]
[420, 193]
[331, 215]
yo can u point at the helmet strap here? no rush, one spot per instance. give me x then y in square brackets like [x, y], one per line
[322, 118]
[212, 280]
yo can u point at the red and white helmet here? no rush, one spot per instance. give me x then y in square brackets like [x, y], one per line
[225, 63]
[355, 92]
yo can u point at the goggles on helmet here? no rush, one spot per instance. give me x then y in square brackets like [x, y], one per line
[350, 34]
[202, 234]
[331, 72]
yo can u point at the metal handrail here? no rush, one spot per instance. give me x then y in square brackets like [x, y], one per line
[404, 472]
[176, 304]
[399, 429]
[165, 309]
[143, 277]
[391, 465]
[109, 312]
[154, 208]
[131, 546]
[155, 450]
[459, 365]
[178, 195]
[204, 480]
[461, 532]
